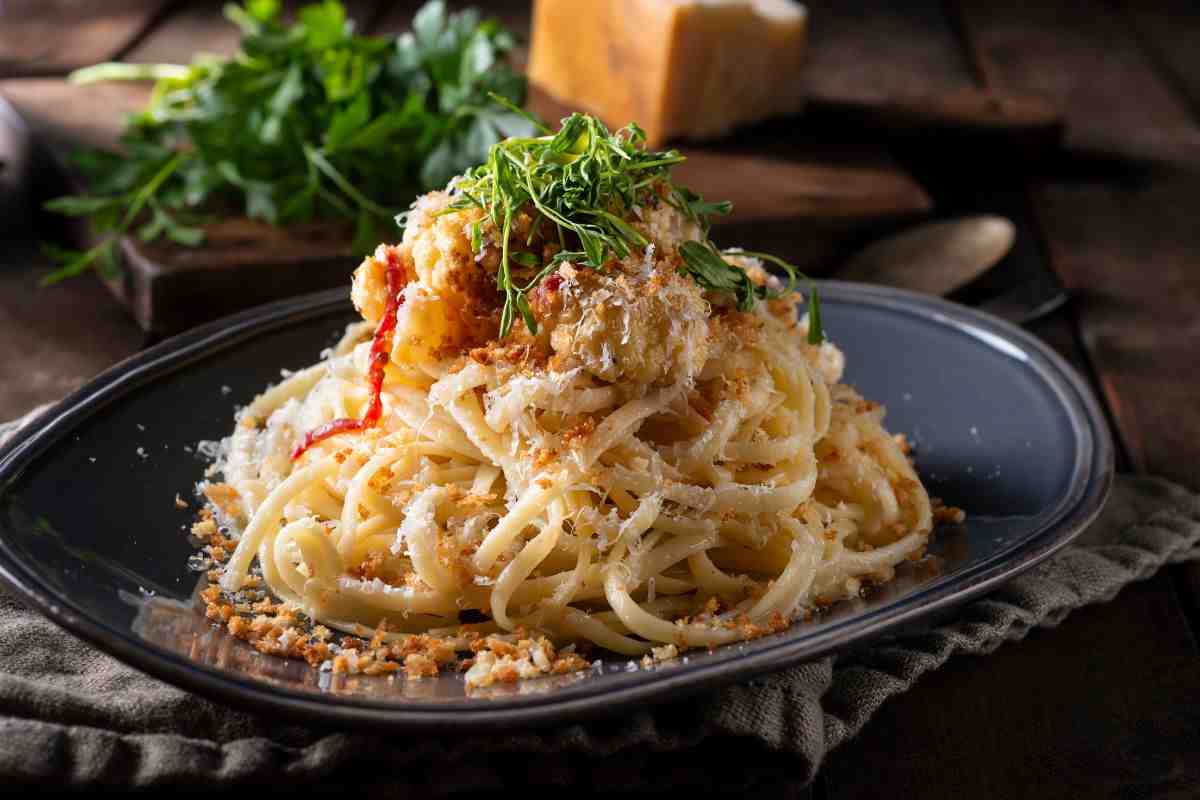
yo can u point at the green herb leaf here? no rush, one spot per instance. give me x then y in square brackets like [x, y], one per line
[75, 262]
[185, 235]
[290, 90]
[712, 272]
[441, 165]
[816, 331]
[348, 122]
[428, 24]
[477, 58]
[80, 205]
[308, 121]
[709, 269]
[522, 304]
[696, 208]
[263, 10]
[324, 24]
[476, 237]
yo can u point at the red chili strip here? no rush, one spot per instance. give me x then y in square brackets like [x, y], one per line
[381, 348]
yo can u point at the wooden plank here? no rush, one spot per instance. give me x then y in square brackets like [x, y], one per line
[902, 67]
[1084, 57]
[54, 339]
[93, 115]
[1169, 30]
[52, 37]
[66, 116]
[1102, 237]
[1065, 713]
[916, 749]
[195, 27]
[1137, 258]
[1131, 251]
[873, 50]
[1129, 247]
[201, 27]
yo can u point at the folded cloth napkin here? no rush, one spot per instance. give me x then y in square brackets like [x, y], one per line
[72, 715]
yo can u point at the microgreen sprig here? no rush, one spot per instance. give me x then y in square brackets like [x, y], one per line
[587, 182]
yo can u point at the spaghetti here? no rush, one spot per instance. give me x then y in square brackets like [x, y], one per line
[656, 468]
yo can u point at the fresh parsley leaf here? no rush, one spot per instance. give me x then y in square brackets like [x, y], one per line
[308, 121]
[324, 24]
[441, 165]
[263, 10]
[428, 24]
[477, 58]
[348, 122]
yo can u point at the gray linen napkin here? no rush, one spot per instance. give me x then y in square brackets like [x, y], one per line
[72, 715]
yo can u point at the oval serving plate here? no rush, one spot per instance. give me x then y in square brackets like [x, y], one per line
[91, 536]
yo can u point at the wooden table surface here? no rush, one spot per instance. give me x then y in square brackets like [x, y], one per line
[1108, 703]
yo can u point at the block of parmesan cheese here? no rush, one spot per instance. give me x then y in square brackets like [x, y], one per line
[679, 68]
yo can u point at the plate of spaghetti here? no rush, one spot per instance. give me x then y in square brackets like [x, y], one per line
[555, 453]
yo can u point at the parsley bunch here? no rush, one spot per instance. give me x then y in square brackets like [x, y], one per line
[308, 121]
[586, 182]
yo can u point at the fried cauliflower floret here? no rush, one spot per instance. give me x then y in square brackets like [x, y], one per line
[424, 331]
[440, 243]
[637, 320]
[368, 285]
[647, 329]
[450, 300]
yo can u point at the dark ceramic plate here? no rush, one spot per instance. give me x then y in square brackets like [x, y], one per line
[92, 538]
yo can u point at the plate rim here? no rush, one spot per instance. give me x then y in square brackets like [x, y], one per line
[1089, 489]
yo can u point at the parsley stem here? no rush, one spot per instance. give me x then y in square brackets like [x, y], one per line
[317, 159]
[112, 71]
[143, 195]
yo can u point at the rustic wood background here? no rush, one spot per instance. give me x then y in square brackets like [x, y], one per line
[1107, 704]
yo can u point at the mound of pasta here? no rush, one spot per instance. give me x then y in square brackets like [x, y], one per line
[527, 450]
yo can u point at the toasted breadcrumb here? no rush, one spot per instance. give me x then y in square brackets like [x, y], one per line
[946, 515]
[279, 629]
[226, 499]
